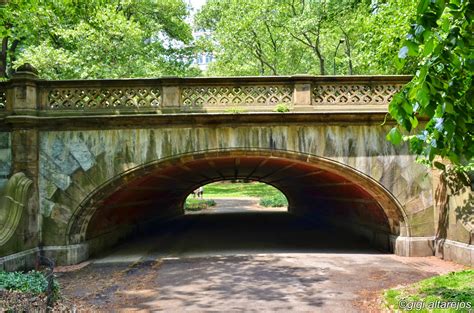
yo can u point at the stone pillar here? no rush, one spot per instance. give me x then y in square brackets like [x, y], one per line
[302, 93]
[24, 149]
[24, 98]
[24, 138]
[171, 97]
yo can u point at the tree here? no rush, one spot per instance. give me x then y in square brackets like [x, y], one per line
[13, 30]
[244, 38]
[299, 36]
[98, 38]
[376, 29]
[442, 89]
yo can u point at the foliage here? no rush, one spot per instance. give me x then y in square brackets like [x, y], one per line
[98, 38]
[376, 31]
[453, 287]
[282, 108]
[288, 37]
[33, 281]
[442, 89]
[274, 201]
[198, 204]
[236, 190]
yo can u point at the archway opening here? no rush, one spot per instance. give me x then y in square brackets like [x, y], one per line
[235, 196]
[320, 192]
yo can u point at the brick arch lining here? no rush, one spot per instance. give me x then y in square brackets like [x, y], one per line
[313, 185]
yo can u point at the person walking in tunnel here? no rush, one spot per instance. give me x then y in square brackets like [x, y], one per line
[200, 192]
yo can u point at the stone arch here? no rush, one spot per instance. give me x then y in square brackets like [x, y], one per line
[132, 186]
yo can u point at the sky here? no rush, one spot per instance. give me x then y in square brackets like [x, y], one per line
[197, 4]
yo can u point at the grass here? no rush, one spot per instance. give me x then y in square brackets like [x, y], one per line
[456, 287]
[236, 190]
[269, 195]
[198, 204]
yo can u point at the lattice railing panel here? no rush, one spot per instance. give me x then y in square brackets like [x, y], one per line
[236, 95]
[358, 94]
[104, 98]
[3, 99]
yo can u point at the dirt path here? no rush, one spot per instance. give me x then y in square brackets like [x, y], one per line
[250, 283]
[254, 262]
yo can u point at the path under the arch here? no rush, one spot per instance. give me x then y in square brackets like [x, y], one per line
[252, 261]
[237, 205]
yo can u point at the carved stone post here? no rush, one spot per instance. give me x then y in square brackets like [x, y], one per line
[302, 93]
[171, 93]
[24, 91]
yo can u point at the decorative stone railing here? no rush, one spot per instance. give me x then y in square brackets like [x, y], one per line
[199, 95]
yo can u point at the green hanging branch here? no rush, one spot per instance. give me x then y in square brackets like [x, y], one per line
[442, 89]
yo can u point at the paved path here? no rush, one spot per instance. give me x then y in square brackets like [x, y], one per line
[254, 262]
[238, 205]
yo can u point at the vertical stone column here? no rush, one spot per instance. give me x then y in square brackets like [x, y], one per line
[24, 137]
[25, 146]
[302, 93]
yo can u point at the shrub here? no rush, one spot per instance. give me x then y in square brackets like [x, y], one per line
[33, 281]
[282, 108]
[274, 201]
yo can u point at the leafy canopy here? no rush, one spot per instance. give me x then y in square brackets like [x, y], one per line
[280, 37]
[67, 39]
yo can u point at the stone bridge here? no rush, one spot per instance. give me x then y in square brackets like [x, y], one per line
[85, 163]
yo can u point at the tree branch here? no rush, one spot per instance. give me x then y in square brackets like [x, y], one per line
[260, 54]
[3, 57]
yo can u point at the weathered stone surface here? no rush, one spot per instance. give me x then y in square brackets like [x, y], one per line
[4, 140]
[5, 155]
[81, 153]
[62, 156]
[51, 173]
[46, 207]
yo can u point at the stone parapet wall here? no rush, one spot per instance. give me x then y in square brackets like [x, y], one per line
[299, 93]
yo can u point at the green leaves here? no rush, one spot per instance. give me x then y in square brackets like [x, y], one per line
[442, 90]
[395, 136]
[33, 281]
[422, 6]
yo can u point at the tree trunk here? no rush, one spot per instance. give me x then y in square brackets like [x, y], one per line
[3, 58]
[348, 53]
